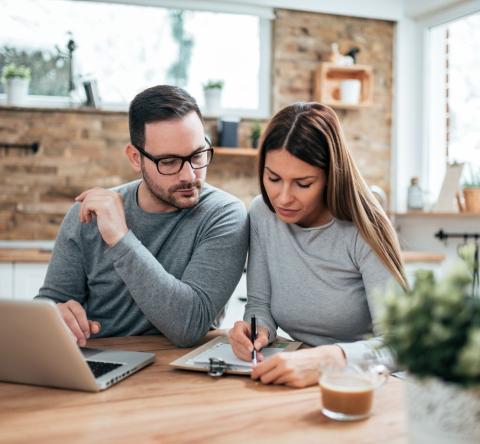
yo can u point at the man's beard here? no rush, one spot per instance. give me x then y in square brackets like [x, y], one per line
[168, 196]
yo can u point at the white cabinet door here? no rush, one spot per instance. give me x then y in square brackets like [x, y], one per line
[27, 279]
[6, 280]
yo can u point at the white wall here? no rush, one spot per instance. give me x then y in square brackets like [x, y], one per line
[417, 9]
[376, 9]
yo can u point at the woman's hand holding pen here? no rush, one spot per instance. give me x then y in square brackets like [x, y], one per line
[239, 337]
[299, 368]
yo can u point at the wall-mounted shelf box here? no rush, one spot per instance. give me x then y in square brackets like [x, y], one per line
[327, 84]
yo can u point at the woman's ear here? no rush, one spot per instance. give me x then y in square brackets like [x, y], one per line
[134, 157]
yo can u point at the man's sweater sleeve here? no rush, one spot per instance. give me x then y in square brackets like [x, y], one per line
[65, 278]
[183, 309]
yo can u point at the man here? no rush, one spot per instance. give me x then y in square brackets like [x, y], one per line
[159, 255]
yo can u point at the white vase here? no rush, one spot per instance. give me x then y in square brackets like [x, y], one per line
[16, 90]
[442, 413]
[350, 91]
[213, 101]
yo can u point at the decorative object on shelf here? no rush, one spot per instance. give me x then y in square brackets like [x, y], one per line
[448, 198]
[255, 133]
[335, 55]
[212, 90]
[91, 93]
[471, 191]
[350, 91]
[17, 80]
[415, 200]
[349, 87]
[353, 52]
[228, 132]
[434, 330]
[342, 60]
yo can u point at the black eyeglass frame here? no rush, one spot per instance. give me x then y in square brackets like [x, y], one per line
[157, 160]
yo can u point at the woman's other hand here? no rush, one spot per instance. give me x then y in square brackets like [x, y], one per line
[299, 368]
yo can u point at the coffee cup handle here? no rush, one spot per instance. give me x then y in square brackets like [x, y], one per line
[382, 374]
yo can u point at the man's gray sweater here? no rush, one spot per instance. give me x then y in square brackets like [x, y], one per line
[172, 273]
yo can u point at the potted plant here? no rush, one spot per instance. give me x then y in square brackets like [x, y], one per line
[434, 331]
[212, 90]
[16, 79]
[255, 132]
[471, 191]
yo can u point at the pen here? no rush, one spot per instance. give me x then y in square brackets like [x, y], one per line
[253, 336]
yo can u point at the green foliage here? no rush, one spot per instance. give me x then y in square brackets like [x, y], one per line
[213, 84]
[473, 178]
[255, 133]
[12, 71]
[434, 330]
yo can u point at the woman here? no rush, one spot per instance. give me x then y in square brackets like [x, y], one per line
[320, 245]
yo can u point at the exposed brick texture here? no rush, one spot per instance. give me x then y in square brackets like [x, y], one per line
[81, 149]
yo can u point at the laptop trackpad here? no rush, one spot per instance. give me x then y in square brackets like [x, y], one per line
[89, 352]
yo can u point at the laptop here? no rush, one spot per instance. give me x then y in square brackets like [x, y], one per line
[36, 347]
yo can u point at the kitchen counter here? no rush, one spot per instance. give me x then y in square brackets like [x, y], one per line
[41, 251]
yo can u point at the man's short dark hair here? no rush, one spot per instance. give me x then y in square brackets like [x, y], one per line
[155, 104]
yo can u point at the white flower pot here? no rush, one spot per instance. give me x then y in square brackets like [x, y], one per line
[16, 90]
[213, 101]
[442, 413]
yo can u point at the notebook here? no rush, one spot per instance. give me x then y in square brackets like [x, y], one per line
[220, 348]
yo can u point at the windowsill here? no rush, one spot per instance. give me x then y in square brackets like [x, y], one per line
[62, 109]
[63, 104]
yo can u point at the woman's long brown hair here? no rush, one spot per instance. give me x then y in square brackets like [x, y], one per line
[312, 133]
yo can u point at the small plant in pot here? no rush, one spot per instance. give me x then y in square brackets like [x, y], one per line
[255, 133]
[17, 80]
[212, 90]
[471, 191]
[434, 332]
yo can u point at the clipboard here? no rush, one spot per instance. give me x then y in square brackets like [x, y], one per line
[214, 357]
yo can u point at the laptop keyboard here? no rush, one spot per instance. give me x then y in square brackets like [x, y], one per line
[100, 368]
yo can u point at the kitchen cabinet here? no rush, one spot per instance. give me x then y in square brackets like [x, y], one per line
[21, 280]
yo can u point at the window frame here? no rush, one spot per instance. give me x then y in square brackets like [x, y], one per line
[265, 15]
[434, 161]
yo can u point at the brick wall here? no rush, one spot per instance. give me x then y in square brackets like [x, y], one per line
[81, 149]
[302, 40]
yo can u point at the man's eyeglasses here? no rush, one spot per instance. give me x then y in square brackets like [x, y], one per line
[173, 164]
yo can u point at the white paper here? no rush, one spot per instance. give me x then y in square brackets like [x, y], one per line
[225, 352]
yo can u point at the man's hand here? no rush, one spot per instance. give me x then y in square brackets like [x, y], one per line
[298, 368]
[76, 319]
[107, 206]
[239, 337]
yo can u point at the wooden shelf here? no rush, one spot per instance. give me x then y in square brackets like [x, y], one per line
[244, 152]
[422, 256]
[328, 77]
[25, 255]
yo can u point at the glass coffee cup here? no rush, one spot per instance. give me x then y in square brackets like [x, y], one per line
[347, 392]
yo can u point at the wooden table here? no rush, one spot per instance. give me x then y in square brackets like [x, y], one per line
[163, 405]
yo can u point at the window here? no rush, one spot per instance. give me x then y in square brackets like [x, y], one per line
[128, 47]
[453, 81]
